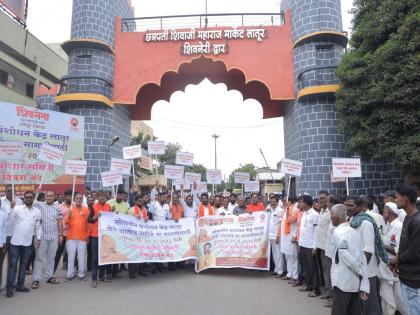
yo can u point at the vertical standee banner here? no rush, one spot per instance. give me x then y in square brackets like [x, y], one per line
[124, 238]
[233, 242]
[33, 127]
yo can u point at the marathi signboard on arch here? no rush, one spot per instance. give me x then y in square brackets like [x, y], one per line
[34, 128]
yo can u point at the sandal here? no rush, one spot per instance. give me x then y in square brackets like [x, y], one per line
[305, 289]
[53, 280]
[94, 284]
[313, 294]
[35, 285]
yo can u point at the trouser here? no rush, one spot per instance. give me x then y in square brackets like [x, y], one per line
[310, 269]
[326, 269]
[60, 251]
[301, 274]
[277, 257]
[392, 298]
[73, 247]
[345, 303]
[89, 254]
[371, 305]
[21, 254]
[412, 296]
[95, 262]
[46, 251]
[292, 266]
[31, 258]
[3, 257]
[132, 269]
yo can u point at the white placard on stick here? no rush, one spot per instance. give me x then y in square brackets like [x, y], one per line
[184, 158]
[120, 165]
[179, 182]
[76, 167]
[241, 177]
[214, 176]
[111, 178]
[51, 154]
[190, 178]
[156, 147]
[174, 172]
[252, 186]
[132, 152]
[291, 167]
[146, 163]
[10, 150]
[201, 188]
[342, 167]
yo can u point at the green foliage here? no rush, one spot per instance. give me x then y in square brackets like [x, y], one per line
[247, 168]
[378, 100]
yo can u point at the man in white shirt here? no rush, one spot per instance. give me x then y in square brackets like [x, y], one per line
[27, 219]
[321, 233]
[366, 231]
[232, 202]
[276, 214]
[307, 247]
[160, 209]
[224, 209]
[349, 269]
[390, 291]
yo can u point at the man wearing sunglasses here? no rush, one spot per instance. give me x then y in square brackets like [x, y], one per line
[26, 220]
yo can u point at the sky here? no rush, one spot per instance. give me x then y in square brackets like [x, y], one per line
[194, 115]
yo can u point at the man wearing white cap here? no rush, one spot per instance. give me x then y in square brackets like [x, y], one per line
[390, 290]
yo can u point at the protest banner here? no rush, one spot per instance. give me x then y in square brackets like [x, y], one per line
[241, 177]
[111, 178]
[33, 127]
[190, 178]
[343, 167]
[132, 152]
[214, 177]
[11, 150]
[156, 148]
[290, 167]
[51, 155]
[201, 188]
[252, 186]
[174, 172]
[179, 182]
[184, 158]
[146, 163]
[121, 165]
[126, 239]
[233, 242]
[75, 168]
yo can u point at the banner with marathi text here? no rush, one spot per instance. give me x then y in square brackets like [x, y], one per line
[124, 238]
[33, 127]
[233, 241]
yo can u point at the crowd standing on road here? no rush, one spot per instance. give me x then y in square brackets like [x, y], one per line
[360, 255]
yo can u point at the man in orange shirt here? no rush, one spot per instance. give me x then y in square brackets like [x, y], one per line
[76, 220]
[176, 213]
[94, 215]
[205, 209]
[255, 204]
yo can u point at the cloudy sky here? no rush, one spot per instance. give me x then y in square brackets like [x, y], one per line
[193, 115]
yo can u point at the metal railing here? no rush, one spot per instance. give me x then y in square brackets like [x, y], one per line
[321, 75]
[144, 24]
[85, 84]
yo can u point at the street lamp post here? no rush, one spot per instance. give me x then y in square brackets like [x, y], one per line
[215, 136]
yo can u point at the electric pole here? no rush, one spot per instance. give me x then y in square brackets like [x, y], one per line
[215, 136]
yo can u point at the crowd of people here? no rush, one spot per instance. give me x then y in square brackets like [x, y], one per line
[361, 257]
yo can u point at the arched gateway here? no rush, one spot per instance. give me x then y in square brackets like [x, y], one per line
[119, 66]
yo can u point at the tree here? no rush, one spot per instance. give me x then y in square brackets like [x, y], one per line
[247, 168]
[380, 73]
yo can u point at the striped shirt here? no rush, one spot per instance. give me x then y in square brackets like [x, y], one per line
[50, 214]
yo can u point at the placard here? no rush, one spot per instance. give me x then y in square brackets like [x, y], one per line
[241, 177]
[156, 147]
[201, 188]
[120, 165]
[184, 158]
[336, 180]
[174, 172]
[342, 167]
[146, 163]
[291, 167]
[132, 152]
[179, 182]
[214, 176]
[10, 150]
[51, 154]
[190, 178]
[75, 167]
[111, 178]
[252, 186]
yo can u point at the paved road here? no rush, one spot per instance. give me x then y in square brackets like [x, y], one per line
[228, 291]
